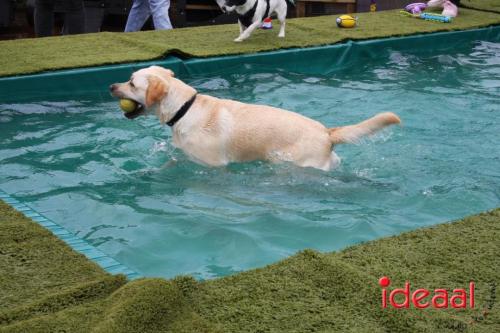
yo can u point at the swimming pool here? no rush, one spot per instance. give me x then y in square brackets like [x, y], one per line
[81, 163]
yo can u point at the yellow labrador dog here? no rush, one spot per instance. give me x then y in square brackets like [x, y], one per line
[215, 132]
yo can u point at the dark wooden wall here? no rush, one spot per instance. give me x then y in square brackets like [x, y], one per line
[364, 5]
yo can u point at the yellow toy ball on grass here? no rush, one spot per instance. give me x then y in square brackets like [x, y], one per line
[128, 105]
[346, 21]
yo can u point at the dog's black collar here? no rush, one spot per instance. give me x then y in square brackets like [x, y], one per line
[182, 111]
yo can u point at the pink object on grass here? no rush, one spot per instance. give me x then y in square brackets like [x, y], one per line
[449, 9]
[416, 8]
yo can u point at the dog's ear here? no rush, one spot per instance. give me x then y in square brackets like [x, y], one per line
[163, 72]
[157, 89]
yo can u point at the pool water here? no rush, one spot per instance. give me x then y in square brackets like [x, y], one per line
[120, 184]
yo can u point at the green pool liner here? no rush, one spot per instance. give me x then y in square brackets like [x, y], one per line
[64, 84]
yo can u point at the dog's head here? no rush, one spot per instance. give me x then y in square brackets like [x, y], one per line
[227, 6]
[147, 87]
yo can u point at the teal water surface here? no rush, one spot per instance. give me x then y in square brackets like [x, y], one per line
[122, 186]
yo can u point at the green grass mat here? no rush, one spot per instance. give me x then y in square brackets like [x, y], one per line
[487, 5]
[30, 255]
[46, 287]
[44, 54]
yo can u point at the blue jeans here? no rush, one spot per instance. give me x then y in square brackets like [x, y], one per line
[142, 9]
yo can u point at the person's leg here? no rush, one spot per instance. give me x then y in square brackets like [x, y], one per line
[159, 10]
[74, 19]
[44, 17]
[139, 14]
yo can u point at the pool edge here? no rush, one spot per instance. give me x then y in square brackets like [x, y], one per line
[190, 66]
[107, 263]
[57, 83]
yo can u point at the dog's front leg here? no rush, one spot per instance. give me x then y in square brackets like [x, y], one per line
[242, 27]
[282, 29]
[281, 12]
[248, 31]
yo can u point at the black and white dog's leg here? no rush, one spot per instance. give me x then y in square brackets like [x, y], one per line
[248, 31]
[242, 27]
[281, 13]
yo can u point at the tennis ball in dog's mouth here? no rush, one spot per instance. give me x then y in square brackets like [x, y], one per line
[128, 105]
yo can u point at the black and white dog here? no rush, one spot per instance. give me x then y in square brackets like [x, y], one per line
[251, 13]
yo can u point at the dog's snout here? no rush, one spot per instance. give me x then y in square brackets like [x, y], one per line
[112, 87]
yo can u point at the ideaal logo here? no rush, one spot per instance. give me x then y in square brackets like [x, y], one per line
[422, 298]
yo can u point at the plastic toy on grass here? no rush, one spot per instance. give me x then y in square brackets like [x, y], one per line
[435, 17]
[429, 17]
[346, 21]
[267, 23]
[416, 8]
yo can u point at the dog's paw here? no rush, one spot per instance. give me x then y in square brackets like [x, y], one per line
[238, 40]
[281, 35]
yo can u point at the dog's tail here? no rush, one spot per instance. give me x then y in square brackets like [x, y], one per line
[353, 133]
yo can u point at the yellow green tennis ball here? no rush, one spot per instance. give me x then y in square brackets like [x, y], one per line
[346, 21]
[128, 105]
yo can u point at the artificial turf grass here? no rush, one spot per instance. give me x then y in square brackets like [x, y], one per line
[32, 261]
[308, 292]
[44, 54]
[319, 291]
